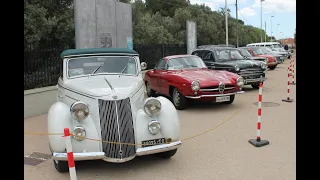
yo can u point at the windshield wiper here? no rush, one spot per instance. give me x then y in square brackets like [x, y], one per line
[124, 69]
[96, 69]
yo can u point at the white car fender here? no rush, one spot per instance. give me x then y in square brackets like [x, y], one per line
[168, 118]
[59, 117]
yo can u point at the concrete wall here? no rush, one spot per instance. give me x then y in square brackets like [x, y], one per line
[38, 101]
[102, 23]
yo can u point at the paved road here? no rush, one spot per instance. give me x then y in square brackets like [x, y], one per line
[223, 153]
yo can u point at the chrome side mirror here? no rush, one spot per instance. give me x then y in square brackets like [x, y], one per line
[143, 66]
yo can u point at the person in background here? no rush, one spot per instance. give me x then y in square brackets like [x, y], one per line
[286, 47]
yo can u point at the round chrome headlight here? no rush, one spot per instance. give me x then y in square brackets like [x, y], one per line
[152, 106]
[79, 111]
[79, 133]
[263, 65]
[240, 81]
[236, 68]
[154, 127]
[195, 86]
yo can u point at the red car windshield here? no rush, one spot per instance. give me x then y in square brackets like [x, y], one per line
[257, 52]
[186, 62]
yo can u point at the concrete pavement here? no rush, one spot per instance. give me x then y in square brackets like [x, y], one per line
[223, 153]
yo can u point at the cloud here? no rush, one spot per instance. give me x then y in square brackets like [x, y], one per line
[247, 11]
[276, 6]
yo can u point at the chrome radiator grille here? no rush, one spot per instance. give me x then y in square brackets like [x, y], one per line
[251, 73]
[228, 88]
[117, 126]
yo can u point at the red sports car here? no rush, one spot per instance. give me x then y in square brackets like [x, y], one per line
[184, 77]
[272, 61]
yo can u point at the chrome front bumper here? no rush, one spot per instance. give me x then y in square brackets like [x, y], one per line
[247, 81]
[214, 95]
[158, 148]
[79, 156]
[100, 155]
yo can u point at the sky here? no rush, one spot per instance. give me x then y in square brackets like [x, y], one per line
[283, 11]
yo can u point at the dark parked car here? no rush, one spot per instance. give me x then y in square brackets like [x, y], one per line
[245, 53]
[230, 59]
[256, 52]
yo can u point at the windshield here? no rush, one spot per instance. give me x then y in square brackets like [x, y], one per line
[265, 50]
[257, 51]
[245, 53]
[277, 46]
[228, 54]
[101, 65]
[186, 62]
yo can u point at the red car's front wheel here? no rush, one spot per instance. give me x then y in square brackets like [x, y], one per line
[179, 101]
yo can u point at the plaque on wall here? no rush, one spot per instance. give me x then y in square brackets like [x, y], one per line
[105, 40]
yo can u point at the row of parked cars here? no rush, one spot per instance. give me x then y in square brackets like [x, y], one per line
[215, 73]
[101, 96]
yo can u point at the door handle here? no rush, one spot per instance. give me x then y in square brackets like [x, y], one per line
[60, 96]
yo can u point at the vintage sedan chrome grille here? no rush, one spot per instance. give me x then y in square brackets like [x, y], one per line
[251, 73]
[117, 126]
[216, 88]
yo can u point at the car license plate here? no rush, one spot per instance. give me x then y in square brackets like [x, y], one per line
[153, 142]
[222, 98]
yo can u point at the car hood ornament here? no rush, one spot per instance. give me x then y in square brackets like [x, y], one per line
[221, 87]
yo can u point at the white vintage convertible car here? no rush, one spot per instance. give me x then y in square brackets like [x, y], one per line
[101, 96]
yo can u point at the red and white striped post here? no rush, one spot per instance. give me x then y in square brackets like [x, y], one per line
[72, 169]
[290, 66]
[258, 142]
[292, 73]
[288, 90]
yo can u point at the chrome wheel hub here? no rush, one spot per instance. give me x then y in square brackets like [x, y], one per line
[176, 97]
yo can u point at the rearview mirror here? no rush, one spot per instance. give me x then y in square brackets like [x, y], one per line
[143, 65]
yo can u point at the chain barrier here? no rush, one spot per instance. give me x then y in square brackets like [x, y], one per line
[133, 144]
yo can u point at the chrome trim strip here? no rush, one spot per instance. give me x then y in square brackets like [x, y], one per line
[120, 145]
[71, 98]
[79, 156]
[214, 95]
[109, 84]
[158, 148]
[216, 89]
[101, 54]
[86, 95]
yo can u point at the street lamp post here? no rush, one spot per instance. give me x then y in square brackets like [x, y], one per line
[226, 16]
[265, 30]
[261, 18]
[277, 30]
[271, 26]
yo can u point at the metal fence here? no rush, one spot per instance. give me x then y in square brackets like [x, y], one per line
[42, 66]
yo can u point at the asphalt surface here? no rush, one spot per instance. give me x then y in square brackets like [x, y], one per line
[223, 153]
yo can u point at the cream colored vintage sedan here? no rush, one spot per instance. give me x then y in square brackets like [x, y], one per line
[101, 96]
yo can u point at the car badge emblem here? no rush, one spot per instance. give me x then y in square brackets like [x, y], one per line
[221, 87]
[115, 97]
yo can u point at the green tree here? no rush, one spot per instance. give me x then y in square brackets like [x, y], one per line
[164, 7]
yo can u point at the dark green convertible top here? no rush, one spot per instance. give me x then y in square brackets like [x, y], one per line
[97, 51]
